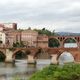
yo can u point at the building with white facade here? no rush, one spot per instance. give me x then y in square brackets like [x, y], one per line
[2, 38]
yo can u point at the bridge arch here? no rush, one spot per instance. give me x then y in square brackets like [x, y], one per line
[65, 57]
[53, 42]
[70, 41]
[2, 56]
[19, 55]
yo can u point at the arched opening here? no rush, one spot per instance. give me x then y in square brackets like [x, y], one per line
[2, 57]
[1, 43]
[27, 52]
[53, 42]
[20, 55]
[69, 42]
[65, 57]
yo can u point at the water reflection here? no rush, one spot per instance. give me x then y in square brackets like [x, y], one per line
[20, 69]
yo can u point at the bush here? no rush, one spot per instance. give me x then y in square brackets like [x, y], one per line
[55, 72]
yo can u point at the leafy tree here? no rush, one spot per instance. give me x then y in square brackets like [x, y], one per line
[22, 44]
[53, 43]
[18, 44]
[45, 31]
[29, 28]
[70, 40]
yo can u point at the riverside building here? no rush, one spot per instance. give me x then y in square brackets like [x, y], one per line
[8, 26]
[9, 34]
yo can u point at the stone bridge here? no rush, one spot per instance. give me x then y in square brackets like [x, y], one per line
[62, 39]
[40, 52]
[32, 54]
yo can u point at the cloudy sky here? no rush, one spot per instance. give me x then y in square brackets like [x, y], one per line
[58, 15]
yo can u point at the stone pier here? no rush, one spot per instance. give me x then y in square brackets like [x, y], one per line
[9, 56]
[31, 59]
[54, 59]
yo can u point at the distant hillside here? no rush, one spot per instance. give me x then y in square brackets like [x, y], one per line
[67, 33]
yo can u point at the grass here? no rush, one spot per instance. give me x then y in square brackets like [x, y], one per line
[56, 72]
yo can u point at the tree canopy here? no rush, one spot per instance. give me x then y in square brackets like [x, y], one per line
[18, 44]
[45, 31]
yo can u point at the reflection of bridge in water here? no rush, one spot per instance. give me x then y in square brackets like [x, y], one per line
[48, 52]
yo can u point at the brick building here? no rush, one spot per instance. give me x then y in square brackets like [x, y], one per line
[29, 37]
[13, 37]
[42, 41]
[9, 34]
[8, 26]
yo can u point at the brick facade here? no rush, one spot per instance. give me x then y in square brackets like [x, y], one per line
[29, 37]
[8, 26]
[42, 41]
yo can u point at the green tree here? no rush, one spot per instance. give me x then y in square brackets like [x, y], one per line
[53, 43]
[29, 28]
[70, 40]
[22, 44]
[45, 31]
[18, 44]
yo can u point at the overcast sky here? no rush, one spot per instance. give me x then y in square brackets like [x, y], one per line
[58, 15]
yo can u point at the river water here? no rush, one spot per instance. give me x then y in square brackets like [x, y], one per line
[20, 70]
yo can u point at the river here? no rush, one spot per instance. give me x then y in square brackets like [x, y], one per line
[20, 69]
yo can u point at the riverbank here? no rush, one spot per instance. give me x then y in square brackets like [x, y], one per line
[55, 72]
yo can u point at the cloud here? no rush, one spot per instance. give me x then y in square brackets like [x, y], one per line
[61, 15]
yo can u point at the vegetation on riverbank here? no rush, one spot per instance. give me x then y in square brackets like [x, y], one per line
[55, 72]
